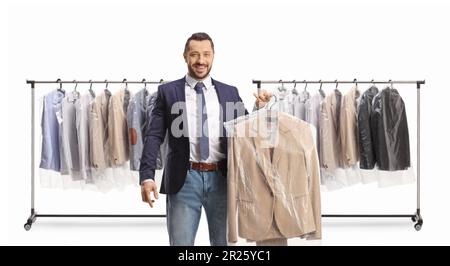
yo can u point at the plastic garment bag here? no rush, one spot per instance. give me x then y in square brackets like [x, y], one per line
[51, 110]
[390, 131]
[70, 158]
[339, 152]
[273, 178]
[82, 125]
[138, 118]
[366, 149]
[117, 127]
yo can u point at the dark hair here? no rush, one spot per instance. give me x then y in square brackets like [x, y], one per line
[198, 36]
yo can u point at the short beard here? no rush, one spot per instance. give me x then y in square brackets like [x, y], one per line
[192, 73]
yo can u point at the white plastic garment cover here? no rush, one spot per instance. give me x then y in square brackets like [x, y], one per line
[117, 127]
[50, 124]
[273, 178]
[98, 131]
[76, 129]
[138, 118]
[70, 158]
[82, 125]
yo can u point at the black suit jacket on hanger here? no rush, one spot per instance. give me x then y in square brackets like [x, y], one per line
[390, 131]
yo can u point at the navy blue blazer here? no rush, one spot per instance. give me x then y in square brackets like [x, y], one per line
[177, 161]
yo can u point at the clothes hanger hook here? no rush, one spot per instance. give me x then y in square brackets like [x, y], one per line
[76, 85]
[320, 81]
[295, 83]
[90, 89]
[126, 83]
[337, 83]
[270, 107]
[356, 82]
[106, 81]
[306, 84]
[60, 83]
[145, 83]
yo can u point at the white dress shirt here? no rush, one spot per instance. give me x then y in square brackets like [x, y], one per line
[214, 123]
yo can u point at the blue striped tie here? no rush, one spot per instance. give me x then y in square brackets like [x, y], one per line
[202, 122]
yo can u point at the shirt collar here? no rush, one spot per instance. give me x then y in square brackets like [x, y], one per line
[192, 82]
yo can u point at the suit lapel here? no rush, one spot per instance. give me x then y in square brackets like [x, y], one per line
[268, 166]
[263, 160]
[262, 153]
[180, 90]
[180, 95]
[221, 97]
[283, 131]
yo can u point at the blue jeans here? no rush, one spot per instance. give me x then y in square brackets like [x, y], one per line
[207, 189]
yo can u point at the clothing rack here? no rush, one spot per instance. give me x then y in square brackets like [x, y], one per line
[416, 217]
[32, 218]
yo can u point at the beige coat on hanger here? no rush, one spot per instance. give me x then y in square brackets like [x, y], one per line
[273, 192]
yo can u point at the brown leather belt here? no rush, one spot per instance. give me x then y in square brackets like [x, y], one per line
[204, 167]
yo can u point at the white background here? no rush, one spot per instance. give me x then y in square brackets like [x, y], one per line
[313, 40]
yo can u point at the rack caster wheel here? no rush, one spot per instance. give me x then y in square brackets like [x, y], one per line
[27, 226]
[418, 225]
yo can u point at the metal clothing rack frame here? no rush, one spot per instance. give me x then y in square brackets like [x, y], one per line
[32, 218]
[416, 217]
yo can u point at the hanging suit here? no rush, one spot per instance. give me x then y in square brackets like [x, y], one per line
[348, 128]
[273, 193]
[366, 148]
[117, 127]
[390, 131]
[330, 144]
[138, 119]
[98, 131]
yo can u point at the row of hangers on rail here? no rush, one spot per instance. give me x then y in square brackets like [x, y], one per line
[76, 94]
[294, 90]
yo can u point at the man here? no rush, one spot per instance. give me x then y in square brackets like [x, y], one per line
[193, 110]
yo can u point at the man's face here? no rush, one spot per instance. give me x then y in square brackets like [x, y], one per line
[199, 58]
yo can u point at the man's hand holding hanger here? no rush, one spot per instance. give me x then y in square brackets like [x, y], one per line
[262, 98]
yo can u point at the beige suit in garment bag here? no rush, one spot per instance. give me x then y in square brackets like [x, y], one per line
[274, 192]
